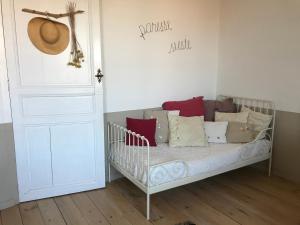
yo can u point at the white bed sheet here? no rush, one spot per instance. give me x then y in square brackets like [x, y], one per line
[169, 164]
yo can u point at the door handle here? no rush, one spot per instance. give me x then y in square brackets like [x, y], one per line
[99, 75]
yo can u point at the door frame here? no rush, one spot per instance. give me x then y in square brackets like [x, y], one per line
[5, 111]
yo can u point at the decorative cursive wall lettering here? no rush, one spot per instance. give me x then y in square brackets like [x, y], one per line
[180, 45]
[160, 26]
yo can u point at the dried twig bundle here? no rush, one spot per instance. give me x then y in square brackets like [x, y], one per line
[76, 55]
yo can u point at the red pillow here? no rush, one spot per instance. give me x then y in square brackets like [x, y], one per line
[145, 128]
[190, 107]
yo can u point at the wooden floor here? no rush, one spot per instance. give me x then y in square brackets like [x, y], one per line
[244, 196]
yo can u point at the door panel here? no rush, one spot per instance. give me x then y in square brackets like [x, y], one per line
[51, 106]
[48, 69]
[39, 157]
[73, 148]
[57, 109]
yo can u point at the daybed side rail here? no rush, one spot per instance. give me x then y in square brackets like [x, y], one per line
[129, 152]
[264, 134]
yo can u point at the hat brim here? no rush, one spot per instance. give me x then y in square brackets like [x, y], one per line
[59, 46]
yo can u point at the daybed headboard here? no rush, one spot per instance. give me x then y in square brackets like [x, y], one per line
[258, 105]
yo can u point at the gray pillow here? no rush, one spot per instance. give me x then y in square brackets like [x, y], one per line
[239, 133]
[162, 124]
[212, 106]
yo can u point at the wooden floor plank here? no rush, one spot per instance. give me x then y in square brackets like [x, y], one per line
[129, 211]
[221, 202]
[245, 196]
[269, 185]
[111, 212]
[136, 198]
[267, 204]
[31, 214]
[186, 202]
[275, 181]
[11, 216]
[69, 211]
[89, 211]
[162, 213]
[250, 205]
[50, 213]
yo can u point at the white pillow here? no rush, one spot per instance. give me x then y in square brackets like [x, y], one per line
[216, 132]
[241, 117]
[186, 131]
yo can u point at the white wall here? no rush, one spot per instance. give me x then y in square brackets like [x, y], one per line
[141, 73]
[260, 51]
[5, 114]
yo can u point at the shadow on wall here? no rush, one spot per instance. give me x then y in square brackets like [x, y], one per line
[8, 176]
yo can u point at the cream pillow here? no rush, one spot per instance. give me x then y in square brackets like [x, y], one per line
[174, 112]
[241, 117]
[186, 131]
[216, 132]
[257, 121]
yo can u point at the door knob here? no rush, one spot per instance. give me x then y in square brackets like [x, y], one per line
[99, 75]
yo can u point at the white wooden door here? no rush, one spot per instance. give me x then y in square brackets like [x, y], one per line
[57, 109]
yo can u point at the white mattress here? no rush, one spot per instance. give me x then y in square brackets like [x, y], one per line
[169, 164]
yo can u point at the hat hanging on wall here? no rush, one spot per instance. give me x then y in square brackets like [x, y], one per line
[48, 36]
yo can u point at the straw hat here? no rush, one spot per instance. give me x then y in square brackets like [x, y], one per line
[48, 36]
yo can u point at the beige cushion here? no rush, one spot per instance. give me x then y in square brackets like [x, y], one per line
[257, 121]
[162, 124]
[239, 133]
[187, 131]
[241, 117]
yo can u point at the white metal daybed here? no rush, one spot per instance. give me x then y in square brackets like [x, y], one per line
[155, 169]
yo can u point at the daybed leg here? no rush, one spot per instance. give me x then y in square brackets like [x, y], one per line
[109, 170]
[148, 206]
[270, 167]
